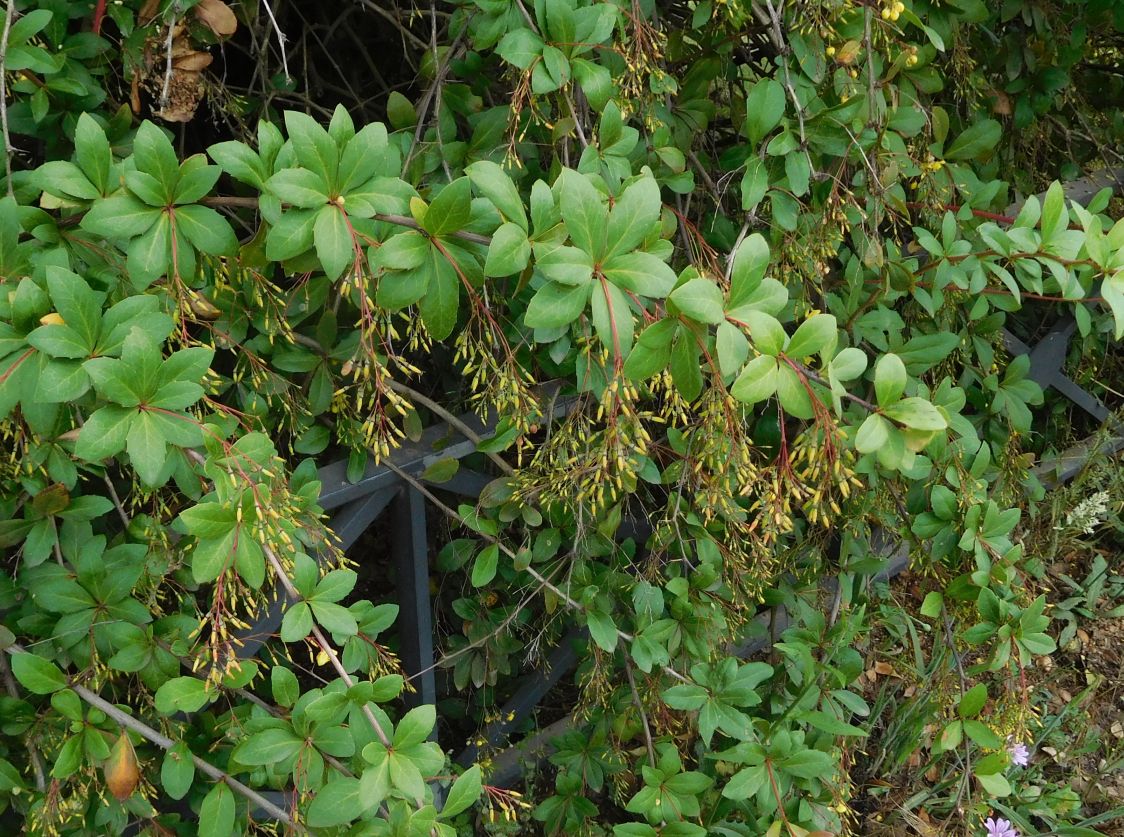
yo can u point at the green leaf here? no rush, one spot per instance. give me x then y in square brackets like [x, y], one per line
[216, 814]
[484, 567]
[415, 726]
[746, 782]
[66, 180]
[585, 213]
[404, 251]
[814, 335]
[196, 179]
[848, 364]
[635, 212]
[120, 216]
[79, 306]
[831, 724]
[315, 150]
[976, 142]
[241, 162]
[917, 414]
[147, 447]
[766, 332]
[685, 696]
[59, 341]
[602, 629]
[995, 784]
[400, 111]
[297, 622]
[750, 263]
[755, 183]
[889, 379]
[336, 803]
[639, 272]
[39, 676]
[509, 251]
[334, 246]
[757, 381]
[284, 685]
[451, 210]
[493, 183]
[612, 318]
[154, 155]
[151, 254]
[732, 348]
[207, 231]
[520, 47]
[873, 434]
[104, 434]
[1112, 289]
[1055, 216]
[439, 306]
[177, 772]
[764, 108]
[182, 694]
[268, 746]
[972, 701]
[932, 605]
[440, 471]
[333, 617]
[212, 556]
[464, 792]
[809, 764]
[290, 236]
[555, 305]
[92, 151]
[299, 187]
[405, 776]
[700, 299]
[335, 586]
[567, 265]
[982, 735]
[652, 350]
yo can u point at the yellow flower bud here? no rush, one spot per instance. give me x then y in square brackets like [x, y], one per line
[54, 318]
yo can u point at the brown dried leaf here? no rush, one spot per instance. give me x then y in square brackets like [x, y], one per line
[193, 62]
[148, 11]
[121, 770]
[217, 16]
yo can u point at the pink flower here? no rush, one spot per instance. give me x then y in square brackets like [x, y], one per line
[1000, 828]
[1020, 755]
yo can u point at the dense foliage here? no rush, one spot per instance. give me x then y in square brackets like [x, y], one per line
[760, 250]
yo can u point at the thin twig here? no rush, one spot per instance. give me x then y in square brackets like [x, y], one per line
[162, 741]
[9, 13]
[451, 420]
[643, 714]
[427, 99]
[281, 39]
[401, 27]
[168, 69]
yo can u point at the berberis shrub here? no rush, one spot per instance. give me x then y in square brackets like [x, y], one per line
[735, 283]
